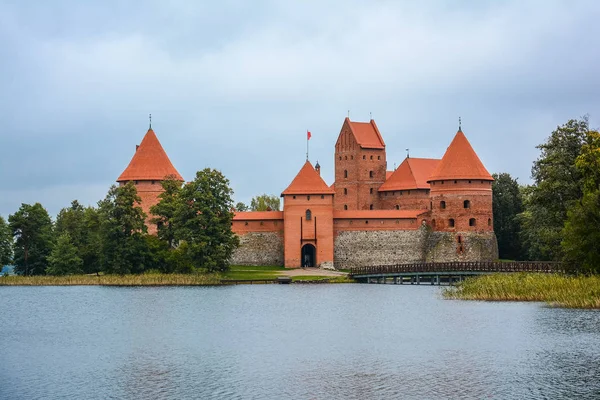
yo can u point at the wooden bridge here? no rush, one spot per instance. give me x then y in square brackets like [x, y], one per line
[446, 272]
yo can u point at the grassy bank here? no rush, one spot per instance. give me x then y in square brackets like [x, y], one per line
[555, 290]
[114, 280]
[244, 272]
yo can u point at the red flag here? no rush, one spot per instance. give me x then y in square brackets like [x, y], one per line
[308, 135]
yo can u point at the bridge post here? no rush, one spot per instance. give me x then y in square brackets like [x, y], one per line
[418, 279]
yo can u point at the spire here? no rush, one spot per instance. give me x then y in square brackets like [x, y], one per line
[150, 118]
[459, 125]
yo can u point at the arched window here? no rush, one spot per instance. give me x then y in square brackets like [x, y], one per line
[345, 206]
[472, 222]
[345, 191]
[371, 207]
[397, 207]
[345, 173]
[442, 204]
[451, 222]
[370, 174]
[467, 204]
[308, 215]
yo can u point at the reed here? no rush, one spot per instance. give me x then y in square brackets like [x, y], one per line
[554, 289]
[114, 280]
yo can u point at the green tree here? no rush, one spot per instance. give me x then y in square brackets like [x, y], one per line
[241, 207]
[32, 229]
[6, 243]
[203, 220]
[64, 258]
[264, 202]
[507, 205]
[557, 185]
[122, 230]
[91, 248]
[164, 211]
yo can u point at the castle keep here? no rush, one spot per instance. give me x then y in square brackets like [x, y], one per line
[431, 210]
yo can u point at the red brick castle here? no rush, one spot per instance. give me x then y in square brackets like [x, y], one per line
[425, 210]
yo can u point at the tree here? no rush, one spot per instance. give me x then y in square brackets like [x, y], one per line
[165, 209]
[122, 228]
[241, 207]
[203, 220]
[507, 205]
[64, 260]
[558, 184]
[32, 229]
[264, 202]
[6, 243]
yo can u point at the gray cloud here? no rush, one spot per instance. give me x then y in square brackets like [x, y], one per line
[235, 85]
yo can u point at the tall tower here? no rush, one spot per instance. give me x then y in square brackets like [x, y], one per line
[461, 190]
[360, 166]
[149, 166]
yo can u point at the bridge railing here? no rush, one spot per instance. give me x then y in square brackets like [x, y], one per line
[474, 266]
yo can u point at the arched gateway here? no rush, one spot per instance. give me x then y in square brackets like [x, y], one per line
[308, 256]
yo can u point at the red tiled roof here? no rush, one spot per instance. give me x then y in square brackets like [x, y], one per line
[366, 134]
[411, 174]
[257, 215]
[460, 162]
[388, 174]
[150, 162]
[379, 214]
[308, 181]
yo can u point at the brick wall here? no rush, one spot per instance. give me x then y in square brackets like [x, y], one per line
[415, 199]
[148, 192]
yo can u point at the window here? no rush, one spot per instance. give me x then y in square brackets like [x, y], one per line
[345, 157]
[308, 215]
[294, 197]
[442, 182]
[371, 191]
[466, 204]
[366, 222]
[489, 222]
[442, 204]
[352, 157]
[345, 173]
[459, 239]
[307, 197]
[397, 207]
[370, 174]
[472, 222]
[379, 157]
[340, 158]
[345, 191]
[261, 223]
[364, 157]
[322, 196]
[345, 206]
[152, 183]
[469, 181]
[371, 157]
[246, 223]
[135, 182]
[455, 182]
[408, 192]
[451, 222]
[371, 207]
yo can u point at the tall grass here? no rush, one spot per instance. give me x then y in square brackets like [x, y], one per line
[556, 290]
[114, 280]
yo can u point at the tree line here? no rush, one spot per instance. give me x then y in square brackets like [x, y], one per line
[194, 232]
[557, 217]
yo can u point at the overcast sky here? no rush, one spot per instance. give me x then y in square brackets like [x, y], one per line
[234, 85]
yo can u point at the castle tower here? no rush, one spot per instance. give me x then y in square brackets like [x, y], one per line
[360, 166]
[461, 190]
[149, 166]
[308, 220]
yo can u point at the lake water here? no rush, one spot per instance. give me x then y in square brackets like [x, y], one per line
[290, 342]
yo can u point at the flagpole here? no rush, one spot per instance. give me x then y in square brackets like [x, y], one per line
[307, 138]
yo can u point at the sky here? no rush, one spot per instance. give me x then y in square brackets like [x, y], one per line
[235, 85]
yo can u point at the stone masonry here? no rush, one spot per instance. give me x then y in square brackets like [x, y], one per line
[259, 248]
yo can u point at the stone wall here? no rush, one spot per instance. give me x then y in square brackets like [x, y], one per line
[461, 246]
[259, 248]
[361, 248]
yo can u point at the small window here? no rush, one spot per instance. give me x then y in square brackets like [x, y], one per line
[340, 158]
[371, 157]
[308, 215]
[307, 197]
[345, 206]
[294, 197]
[451, 222]
[345, 173]
[469, 181]
[370, 174]
[246, 223]
[408, 192]
[352, 157]
[364, 157]
[261, 223]
[135, 182]
[345, 157]
[489, 222]
[379, 157]
[459, 239]
[371, 191]
[397, 207]
[442, 182]
[371, 207]
[401, 193]
[152, 183]
[455, 182]
[466, 204]
[472, 222]
[345, 191]
[366, 222]
[322, 196]
[442, 204]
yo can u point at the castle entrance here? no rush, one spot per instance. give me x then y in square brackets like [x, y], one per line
[309, 256]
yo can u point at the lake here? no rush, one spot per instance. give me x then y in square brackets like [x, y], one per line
[290, 342]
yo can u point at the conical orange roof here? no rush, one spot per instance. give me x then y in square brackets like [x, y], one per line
[460, 162]
[150, 162]
[308, 181]
[411, 174]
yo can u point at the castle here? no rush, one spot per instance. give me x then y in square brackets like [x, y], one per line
[431, 210]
